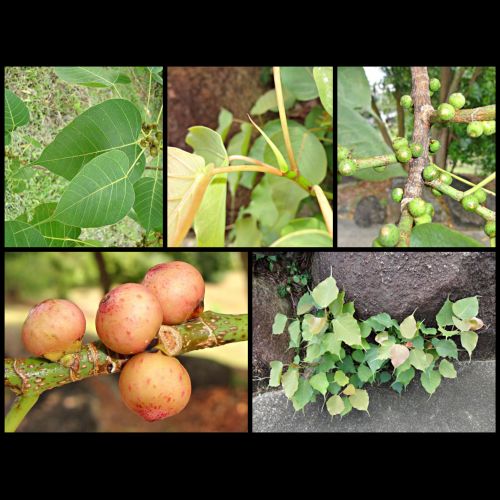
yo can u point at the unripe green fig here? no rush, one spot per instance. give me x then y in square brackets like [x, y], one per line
[159, 135]
[446, 112]
[434, 146]
[144, 143]
[457, 100]
[406, 101]
[154, 386]
[180, 288]
[376, 243]
[128, 318]
[490, 228]
[397, 195]
[403, 154]
[53, 328]
[423, 219]
[154, 126]
[475, 129]
[399, 142]
[445, 178]
[480, 195]
[153, 151]
[388, 235]
[469, 203]
[489, 127]
[416, 207]
[434, 84]
[429, 209]
[430, 173]
[431, 93]
[347, 167]
[342, 153]
[436, 193]
[416, 150]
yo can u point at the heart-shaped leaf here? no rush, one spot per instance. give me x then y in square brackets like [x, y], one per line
[56, 233]
[16, 113]
[188, 178]
[87, 76]
[100, 194]
[335, 405]
[21, 234]
[114, 124]
[323, 76]
[398, 354]
[148, 203]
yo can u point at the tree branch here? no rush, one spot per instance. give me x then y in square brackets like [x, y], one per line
[33, 376]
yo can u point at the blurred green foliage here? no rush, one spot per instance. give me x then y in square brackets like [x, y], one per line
[28, 274]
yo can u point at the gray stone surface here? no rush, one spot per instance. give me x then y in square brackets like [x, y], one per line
[400, 282]
[267, 347]
[464, 404]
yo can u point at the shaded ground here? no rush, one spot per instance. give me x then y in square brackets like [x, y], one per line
[464, 404]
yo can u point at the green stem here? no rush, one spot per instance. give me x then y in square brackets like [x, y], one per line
[376, 161]
[480, 184]
[457, 195]
[19, 409]
[461, 179]
[246, 168]
[33, 376]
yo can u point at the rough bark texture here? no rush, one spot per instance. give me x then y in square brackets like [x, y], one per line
[400, 282]
[196, 94]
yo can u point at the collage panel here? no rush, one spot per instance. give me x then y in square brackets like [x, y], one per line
[144, 342]
[250, 156]
[416, 157]
[83, 157]
[373, 342]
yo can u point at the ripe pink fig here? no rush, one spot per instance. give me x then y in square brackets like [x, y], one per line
[180, 289]
[154, 386]
[53, 328]
[128, 318]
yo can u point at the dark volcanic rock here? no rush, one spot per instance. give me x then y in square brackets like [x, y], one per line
[267, 347]
[369, 212]
[400, 282]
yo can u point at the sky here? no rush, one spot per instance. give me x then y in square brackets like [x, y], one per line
[373, 73]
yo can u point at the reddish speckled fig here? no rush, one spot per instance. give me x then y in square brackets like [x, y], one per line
[154, 386]
[180, 289]
[53, 327]
[128, 318]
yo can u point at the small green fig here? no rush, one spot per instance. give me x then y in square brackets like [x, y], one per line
[399, 142]
[342, 153]
[434, 145]
[445, 178]
[416, 150]
[406, 101]
[475, 129]
[457, 100]
[469, 203]
[347, 167]
[434, 84]
[429, 209]
[416, 207]
[403, 155]
[446, 112]
[376, 243]
[430, 173]
[480, 194]
[490, 228]
[423, 219]
[489, 127]
[388, 235]
[397, 195]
